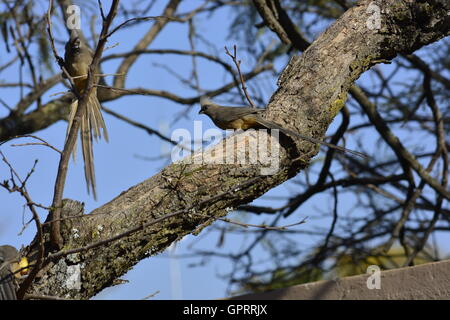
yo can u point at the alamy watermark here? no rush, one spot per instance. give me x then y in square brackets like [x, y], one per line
[74, 17]
[374, 21]
[374, 280]
[257, 147]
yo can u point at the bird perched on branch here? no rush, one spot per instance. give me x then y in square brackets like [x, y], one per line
[78, 57]
[243, 118]
[11, 267]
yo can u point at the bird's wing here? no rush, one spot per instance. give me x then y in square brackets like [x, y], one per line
[7, 285]
[233, 113]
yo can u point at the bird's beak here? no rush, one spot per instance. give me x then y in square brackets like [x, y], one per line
[201, 112]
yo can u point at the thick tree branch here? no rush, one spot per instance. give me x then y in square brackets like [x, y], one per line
[278, 21]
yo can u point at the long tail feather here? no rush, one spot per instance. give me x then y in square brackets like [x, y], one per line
[88, 156]
[7, 286]
[92, 125]
[291, 133]
[95, 113]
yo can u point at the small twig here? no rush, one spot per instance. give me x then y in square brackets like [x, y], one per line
[33, 144]
[58, 93]
[144, 127]
[101, 10]
[260, 226]
[5, 105]
[42, 143]
[151, 295]
[100, 75]
[111, 46]
[137, 19]
[238, 66]
[324, 247]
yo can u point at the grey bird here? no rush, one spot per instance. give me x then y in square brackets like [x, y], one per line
[9, 259]
[78, 57]
[243, 118]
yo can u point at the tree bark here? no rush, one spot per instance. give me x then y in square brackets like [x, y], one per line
[311, 91]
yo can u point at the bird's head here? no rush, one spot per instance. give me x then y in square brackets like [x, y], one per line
[203, 110]
[205, 103]
[75, 41]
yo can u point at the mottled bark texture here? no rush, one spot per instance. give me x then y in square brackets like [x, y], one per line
[312, 90]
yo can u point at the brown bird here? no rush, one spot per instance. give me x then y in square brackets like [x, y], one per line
[78, 57]
[244, 118]
[9, 264]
